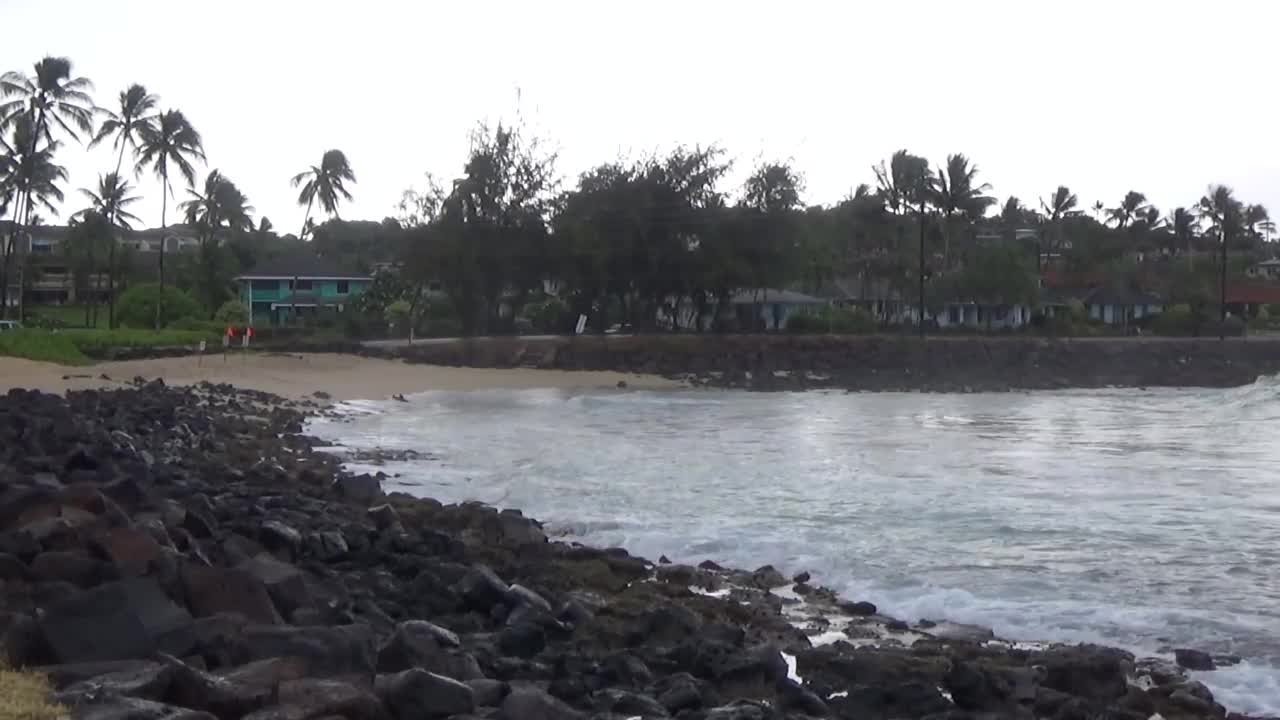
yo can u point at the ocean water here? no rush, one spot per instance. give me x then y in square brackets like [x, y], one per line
[1142, 519]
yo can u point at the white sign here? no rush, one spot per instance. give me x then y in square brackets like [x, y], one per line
[582, 325]
[226, 341]
[203, 344]
[245, 341]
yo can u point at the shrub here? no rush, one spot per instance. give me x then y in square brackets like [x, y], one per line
[548, 315]
[1176, 320]
[137, 306]
[43, 346]
[232, 312]
[837, 320]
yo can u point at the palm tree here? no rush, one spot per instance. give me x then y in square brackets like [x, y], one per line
[1257, 221]
[1099, 211]
[220, 207]
[326, 182]
[50, 96]
[32, 181]
[137, 109]
[1183, 225]
[1133, 205]
[111, 200]
[1061, 204]
[956, 191]
[169, 141]
[1221, 209]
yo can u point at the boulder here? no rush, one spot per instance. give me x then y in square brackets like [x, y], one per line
[529, 703]
[123, 620]
[115, 707]
[327, 651]
[418, 643]
[213, 590]
[329, 545]
[150, 681]
[481, 588]
[741, 710]
[861, 608]
[1194, 659]
[235, 692]
[524, 639]
[131, 550]
[285, 583]
[488, 693]
[63, 676]
[1098, 674]
[312, 699]
[71, 566]
[280, 539]
[622, 702]
[364, 489]
[521, 595]
[416, 693]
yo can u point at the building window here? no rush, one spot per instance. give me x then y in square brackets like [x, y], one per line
[265, 286]
[344, 287]
[302, 285]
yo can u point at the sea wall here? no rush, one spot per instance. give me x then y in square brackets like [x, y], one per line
[879, 363]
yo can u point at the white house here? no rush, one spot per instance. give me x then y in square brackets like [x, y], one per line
[1265, 270]
[1121, 307]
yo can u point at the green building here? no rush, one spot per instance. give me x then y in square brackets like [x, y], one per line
[298, 286]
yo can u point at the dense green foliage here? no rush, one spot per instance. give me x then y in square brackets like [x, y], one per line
[137, 306]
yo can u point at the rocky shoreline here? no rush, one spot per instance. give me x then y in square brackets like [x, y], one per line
[187, 553]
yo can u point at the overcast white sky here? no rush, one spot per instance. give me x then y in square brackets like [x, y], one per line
[1161, 96]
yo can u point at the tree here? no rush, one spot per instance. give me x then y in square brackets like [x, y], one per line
[957, 192]
[998, 275]
[89, 232]
[327, 182]
[220, 209]
[1183, 228]
[110, 201]
[1223, 212]
[170, 143]
[49, 97]
[906, 184]
[137, 109]
[1257, 222]
[32, 180]
[1061, 204]
[1132, 206]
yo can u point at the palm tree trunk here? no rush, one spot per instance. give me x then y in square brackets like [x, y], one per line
[293, 307]
[9, 248]
[1222, 288]
[164, 206]
[111, 252]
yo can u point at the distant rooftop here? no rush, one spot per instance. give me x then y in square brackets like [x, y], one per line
[302, 265]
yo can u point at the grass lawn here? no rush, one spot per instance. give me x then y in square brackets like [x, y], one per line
[80, 346]
[71, 316]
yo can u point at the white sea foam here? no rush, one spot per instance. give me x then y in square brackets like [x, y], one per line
[1029, 513]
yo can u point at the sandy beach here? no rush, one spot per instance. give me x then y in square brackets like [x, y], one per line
[343, 377]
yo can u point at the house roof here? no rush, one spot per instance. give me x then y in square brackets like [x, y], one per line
[1253, 294]
[302, 265]
[1273, 262]
[308, 298]
[1122, 296]
[773, 295]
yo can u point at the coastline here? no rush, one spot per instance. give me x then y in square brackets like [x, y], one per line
[462, 607]
[301, 376]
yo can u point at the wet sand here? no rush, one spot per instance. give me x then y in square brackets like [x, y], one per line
[343, 377]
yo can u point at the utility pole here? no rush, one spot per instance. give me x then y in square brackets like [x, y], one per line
[1222, 289]
[921, 315]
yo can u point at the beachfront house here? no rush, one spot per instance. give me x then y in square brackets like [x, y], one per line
[1265, 270]
[298, 288]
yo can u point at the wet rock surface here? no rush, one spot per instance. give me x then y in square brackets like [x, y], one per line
[188, 553]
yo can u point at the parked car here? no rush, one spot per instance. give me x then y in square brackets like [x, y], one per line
[7, 325]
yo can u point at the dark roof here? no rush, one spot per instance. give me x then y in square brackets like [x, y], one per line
[302, 265]
[771, 295]
[1114, 296]
[1253, 294]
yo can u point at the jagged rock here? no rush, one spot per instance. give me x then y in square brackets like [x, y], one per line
[122, 620]
[416, 693]
[71, 566]
[133, 551]
[212, 590]
[328, 545]
[1092, 672]
[280, 539]
[524, 639]
[861, 608]
[418, 643]
[310, 698]
[285, 583]
[127, 708]
[1194, 659]
[488, 693]
[521, 595]
[627, 703]
[481, 588]
[528, 703]
[365, 489]
[327, 651]
[235, 692]
[150, 681]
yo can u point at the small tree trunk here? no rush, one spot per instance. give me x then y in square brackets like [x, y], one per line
[164, 206]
